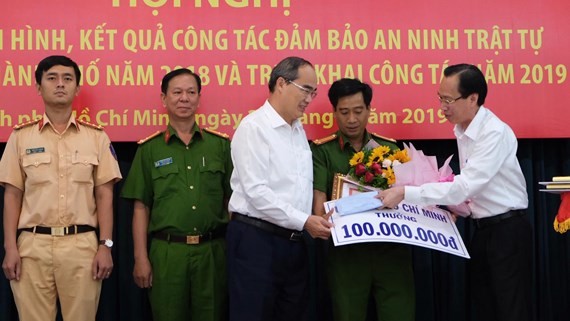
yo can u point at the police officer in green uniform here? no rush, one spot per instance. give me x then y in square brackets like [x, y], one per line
[357, 271]
[179, 180]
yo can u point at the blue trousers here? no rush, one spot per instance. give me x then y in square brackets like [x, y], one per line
[267, 275]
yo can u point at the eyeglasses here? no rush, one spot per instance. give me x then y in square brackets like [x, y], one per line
[448, 101]
[307, 91]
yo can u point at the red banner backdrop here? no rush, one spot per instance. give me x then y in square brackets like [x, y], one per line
[124, 48]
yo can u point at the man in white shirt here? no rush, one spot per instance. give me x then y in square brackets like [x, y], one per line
[492, 183]
[272, 185]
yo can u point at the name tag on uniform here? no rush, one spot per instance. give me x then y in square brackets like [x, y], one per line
[163, 162]
[35, 150]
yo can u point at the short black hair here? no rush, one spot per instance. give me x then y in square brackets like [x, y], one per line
[177, 72]
[471, 80]
[348, 87]
[287, 69]
[51, 61]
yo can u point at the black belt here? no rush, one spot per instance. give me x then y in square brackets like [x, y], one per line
[291, 235]
[189, 239]
[488, 221]
[58, 231]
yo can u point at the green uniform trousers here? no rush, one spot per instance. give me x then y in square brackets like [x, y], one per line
[383, 270]
[189, 281]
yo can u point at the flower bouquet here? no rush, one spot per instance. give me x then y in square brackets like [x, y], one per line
[371, 169]
[375, 166]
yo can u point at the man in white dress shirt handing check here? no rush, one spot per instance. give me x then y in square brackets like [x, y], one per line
[492, 183]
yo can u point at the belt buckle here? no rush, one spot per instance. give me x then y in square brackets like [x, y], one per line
[192, 239]
[58, 231]
[295, 236]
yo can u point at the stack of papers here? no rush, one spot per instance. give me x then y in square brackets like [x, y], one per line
[559, 184]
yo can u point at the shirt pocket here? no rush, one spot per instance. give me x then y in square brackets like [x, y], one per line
[164, 171]
[82, 167]
[37, 168]
[212, 176]
[166, 181]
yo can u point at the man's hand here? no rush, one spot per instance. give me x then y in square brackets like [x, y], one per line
[12, 264]
[453, 217]
[392, 196]
[142, 273]
[102, 263]
[319, 226]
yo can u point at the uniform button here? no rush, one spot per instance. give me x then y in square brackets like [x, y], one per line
[61, 196]
[187, 147]
[193, 207]
[191, 187]
[36, 163]
[189, 167]
[61, 175]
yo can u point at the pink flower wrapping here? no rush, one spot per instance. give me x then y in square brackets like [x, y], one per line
[423, 169]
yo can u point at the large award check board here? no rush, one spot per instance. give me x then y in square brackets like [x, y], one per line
[428, 227]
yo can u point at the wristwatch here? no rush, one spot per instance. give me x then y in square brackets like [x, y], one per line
[108, 243]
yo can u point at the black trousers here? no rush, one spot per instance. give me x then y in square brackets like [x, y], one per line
[500, 268]
[267, 275]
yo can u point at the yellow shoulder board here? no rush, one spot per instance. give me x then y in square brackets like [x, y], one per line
[217, 133]
[146, 139]
[384, 138]
[28, 123]
[84, 123]
[323, 140]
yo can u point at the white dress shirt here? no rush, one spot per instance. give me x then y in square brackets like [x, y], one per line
[491, 179]
[273, 169]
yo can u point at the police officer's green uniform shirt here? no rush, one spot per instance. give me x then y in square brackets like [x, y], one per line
[332, 157]
[184, 186]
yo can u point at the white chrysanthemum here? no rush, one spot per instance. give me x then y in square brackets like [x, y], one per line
[386, 163]
[396, 163]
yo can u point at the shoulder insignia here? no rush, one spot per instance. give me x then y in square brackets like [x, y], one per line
[146, 139]
[84, 123]
[28, 123]
[384, 138]
[323, 140]
[217, 133]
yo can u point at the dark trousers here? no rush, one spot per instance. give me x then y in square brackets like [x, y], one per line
[501, 271]
[267, 275]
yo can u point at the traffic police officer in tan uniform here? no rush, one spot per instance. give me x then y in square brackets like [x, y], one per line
[179, 180]
[58, 173]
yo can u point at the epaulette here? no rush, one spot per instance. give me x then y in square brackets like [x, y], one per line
[384, 138]
[323, 140]
[217, 133]
[28, 123]
[84, 123]
[146, 139]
